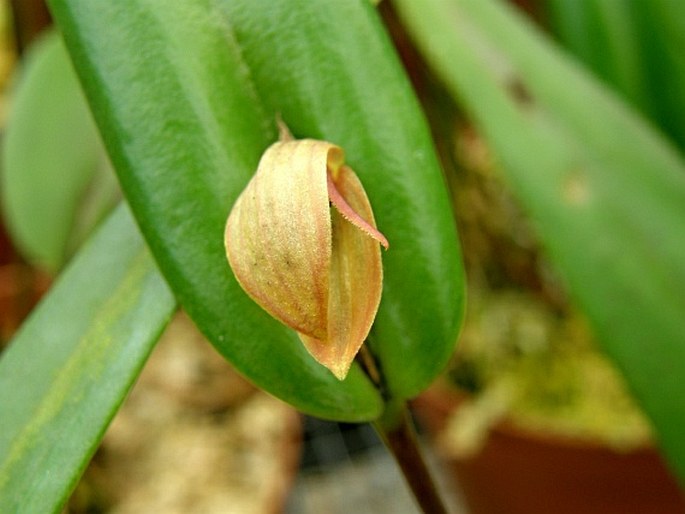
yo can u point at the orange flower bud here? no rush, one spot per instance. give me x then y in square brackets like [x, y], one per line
[302, 242]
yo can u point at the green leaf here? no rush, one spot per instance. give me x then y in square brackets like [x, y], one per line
[185, 133]
[68, 369]
[603, 34]
[606, 193]
[343, 82]
[661, 34]
[636, 46]
[187, 99]
[56, 180]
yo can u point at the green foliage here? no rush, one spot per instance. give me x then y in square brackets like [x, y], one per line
[187, 100]
[635, 46]
[360, 99]
[604, 36]
[56, 180]
[606, 193]
[186, 97]
[68, 369]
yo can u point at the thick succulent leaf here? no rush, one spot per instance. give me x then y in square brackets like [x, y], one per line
[607, 194]
[67, 371]
[329, 70]
[185, 130]
[186, 97]
[56, 179]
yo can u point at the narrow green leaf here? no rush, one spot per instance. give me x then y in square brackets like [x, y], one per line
[607, 194]
[185, 131]
[636, 46]
[605, 36]
[56, 180]
[661, 36]
[68, 369]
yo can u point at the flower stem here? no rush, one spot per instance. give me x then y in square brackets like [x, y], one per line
[396, 428]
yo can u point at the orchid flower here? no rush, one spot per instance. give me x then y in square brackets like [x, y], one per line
[302, 242]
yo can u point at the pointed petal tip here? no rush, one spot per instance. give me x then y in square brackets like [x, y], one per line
[340, 370]
[347, 212]
[325, 355]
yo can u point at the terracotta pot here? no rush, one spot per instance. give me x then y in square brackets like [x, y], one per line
[524, 472]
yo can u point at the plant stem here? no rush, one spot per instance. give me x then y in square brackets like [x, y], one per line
[396, 428]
